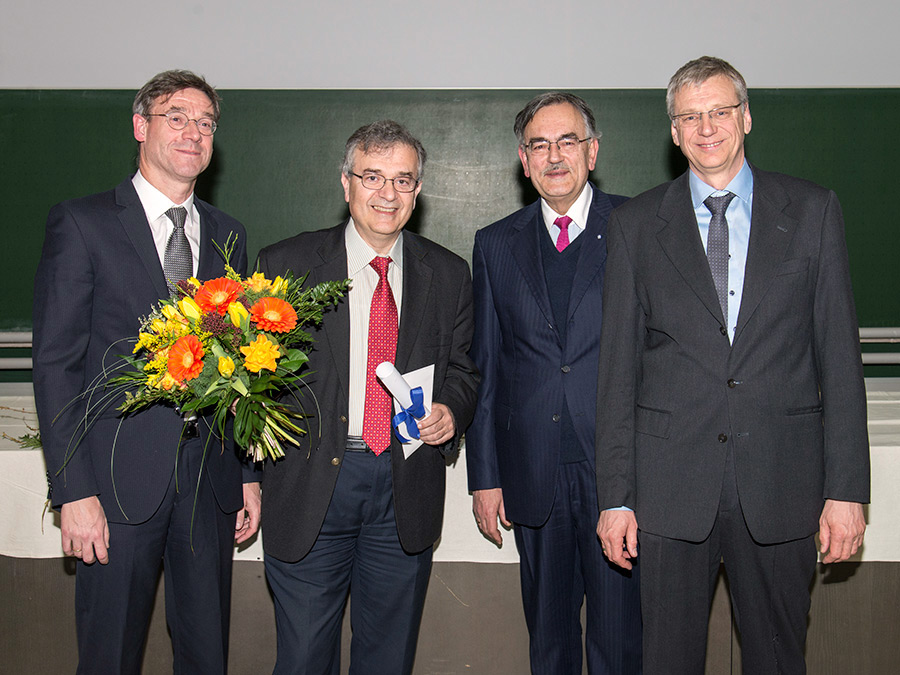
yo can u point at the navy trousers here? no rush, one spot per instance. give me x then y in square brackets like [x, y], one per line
[562, 565]
[357, 552]
[195, 546]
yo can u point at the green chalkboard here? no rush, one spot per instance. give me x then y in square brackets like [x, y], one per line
[277, 158]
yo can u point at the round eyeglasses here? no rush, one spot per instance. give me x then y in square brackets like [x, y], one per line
[178, 121]
[375, 181]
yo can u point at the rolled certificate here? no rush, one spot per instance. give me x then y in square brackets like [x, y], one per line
[395, 384]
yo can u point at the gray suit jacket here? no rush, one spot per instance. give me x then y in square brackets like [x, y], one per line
[787, 397]
[435, 327]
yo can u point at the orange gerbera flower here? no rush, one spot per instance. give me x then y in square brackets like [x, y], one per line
[273, 314]
[186, 358]
[216, 294]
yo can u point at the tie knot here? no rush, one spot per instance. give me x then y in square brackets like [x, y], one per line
[380, 263]
[718, 204]
[177, 214]
[562, 222]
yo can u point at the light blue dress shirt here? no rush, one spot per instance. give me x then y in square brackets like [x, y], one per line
[738, 216]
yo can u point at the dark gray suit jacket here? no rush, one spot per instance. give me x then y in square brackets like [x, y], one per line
[99, 273]
[787, 396]
[435, 327]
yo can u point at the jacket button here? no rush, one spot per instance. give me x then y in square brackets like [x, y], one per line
[556, 418]
[723, 438]
[335, 461]
[723, 330]
[565, 369]
[732, 384]
[344, 419]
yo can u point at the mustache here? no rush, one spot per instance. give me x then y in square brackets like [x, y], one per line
[556, 167]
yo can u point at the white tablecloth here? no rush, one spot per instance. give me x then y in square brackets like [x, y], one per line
[25, 533]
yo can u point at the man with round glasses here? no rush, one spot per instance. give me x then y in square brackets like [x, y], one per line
[355, 514]
[148, 488]
[731, 414]
[538, 279]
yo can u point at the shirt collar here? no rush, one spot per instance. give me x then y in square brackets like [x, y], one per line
[578, 212]
[741, 185]
[155, 203]
[360, 254]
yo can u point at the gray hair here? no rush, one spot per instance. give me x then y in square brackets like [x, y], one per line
[381, 136]
[170, 82]
[697, 72]
[554, 98]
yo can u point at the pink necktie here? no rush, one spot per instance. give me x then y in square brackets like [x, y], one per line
[382, 347]
[563, 240]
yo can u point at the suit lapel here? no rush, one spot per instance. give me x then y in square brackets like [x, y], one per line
[417, 279]
[771, 232]
[524, 245]
[211, 261]
[134, 222]
[335, 333]
[592, 256]
[680, 239]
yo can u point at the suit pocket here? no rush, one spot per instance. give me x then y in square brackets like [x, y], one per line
[652, 422]
[805, 410]
[792, 266]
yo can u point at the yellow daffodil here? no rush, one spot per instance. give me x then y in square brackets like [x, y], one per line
[194, 281]
[236, 312]
[260, 354]
[226, 366]
[190, 309]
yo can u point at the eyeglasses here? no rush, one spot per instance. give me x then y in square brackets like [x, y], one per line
[566, 145]
[178, 121]
[693, 119]
[375, 181]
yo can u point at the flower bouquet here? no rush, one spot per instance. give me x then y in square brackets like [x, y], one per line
[229, 345]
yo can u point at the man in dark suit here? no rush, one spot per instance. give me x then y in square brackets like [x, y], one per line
[538, 281]
[731, 415]
[352, 512]
[150, 488]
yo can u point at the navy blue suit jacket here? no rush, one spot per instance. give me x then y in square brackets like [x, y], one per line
[99, 272]
[514, 440]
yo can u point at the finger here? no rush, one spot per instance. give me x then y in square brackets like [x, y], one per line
[631, 542]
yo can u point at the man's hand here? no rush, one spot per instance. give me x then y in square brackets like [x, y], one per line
[248, 517]
[618, 535]
[438, 427]
[85, 532]
[841, 530]
[487, 505]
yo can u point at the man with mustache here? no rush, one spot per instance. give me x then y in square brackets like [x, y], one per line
[538, 281]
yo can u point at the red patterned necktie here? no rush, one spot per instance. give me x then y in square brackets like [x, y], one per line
[382, 347]
[563, 240]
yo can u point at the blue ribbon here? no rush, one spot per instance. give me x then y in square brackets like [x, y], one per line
[409, 415]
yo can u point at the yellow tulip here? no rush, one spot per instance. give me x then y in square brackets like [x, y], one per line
[279, 286]
[190, 308]
[236, 312]
[226, 366]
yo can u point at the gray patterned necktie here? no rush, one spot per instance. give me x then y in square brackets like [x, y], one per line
[717, 247]
[178, 262]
